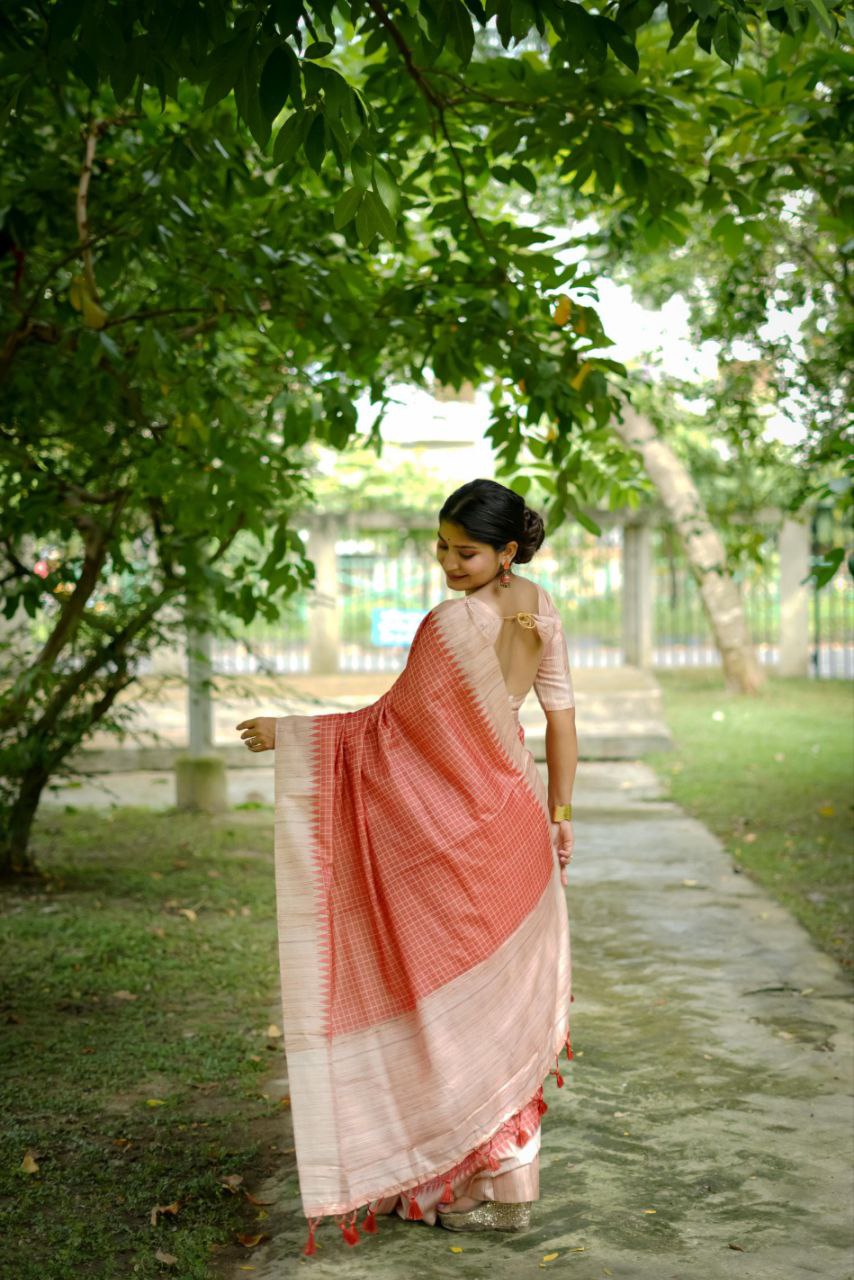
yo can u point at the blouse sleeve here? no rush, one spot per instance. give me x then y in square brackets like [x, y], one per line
[553, 683]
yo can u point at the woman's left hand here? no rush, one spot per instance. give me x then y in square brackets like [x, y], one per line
[259, 733]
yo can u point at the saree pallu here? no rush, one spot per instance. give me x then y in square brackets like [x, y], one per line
[423, 934]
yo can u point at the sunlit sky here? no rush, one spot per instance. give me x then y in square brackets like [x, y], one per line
[660, 337]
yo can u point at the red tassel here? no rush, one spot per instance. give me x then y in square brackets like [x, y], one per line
[415, 1214]
[310, 1247]
[447, 1192]
[542, 1106]
[350, 1231]
[558, 1080]
[571, 998]
[369, 1226]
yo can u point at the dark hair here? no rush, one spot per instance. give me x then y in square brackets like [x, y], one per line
[492, 513]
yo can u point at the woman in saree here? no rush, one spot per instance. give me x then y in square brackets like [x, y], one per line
[423, 934]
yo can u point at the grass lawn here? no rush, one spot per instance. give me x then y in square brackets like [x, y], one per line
[773, 777]
[136, 1007]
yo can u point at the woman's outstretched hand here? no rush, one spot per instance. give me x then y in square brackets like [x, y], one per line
[259, 733]
[564, 840]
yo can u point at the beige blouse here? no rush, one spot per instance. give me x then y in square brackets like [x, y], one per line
[532, 653]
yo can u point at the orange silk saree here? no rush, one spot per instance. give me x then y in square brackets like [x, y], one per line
[423, 932]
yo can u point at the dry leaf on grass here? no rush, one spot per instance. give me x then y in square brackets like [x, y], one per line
[29, 1164]
[273, 1032]
[249, 1242]
[231, 1182]
[168, 1259]
[163, 1208]
[188, 912]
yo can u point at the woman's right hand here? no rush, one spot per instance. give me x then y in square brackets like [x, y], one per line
[564, 841]
[259, 733]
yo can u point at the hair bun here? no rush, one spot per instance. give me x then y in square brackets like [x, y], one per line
[533, 535]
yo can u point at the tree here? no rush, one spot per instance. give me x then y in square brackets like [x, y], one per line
[188, 307]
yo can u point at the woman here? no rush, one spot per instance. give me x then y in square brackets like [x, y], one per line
[423, 932]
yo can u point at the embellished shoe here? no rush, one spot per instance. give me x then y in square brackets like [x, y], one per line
[489, 1215]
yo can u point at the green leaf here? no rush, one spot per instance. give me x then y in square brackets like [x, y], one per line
[315, 143]
[291, 136]
[460, 30]
[824, 569]
[373, 217]
[319, 49]
[347, 207]
[622, 46]
[275, 84]
[524, 176]
[824, 17]
[727, 37]
[386, 188]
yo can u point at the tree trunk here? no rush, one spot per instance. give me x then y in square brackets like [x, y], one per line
[703, 547]
[16, 823]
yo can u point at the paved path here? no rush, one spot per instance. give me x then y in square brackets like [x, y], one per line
[705, 1129]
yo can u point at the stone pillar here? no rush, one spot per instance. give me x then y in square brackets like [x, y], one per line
[323, 618]
[637, 595]
[794, 545]
[200, 781]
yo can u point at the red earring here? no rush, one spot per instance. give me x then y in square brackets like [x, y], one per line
[504, 577]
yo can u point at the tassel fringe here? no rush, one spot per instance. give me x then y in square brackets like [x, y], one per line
[520, 1128]
[310, 1246]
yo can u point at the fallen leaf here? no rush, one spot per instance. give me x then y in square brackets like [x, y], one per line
[550, 1257]
[736, 1246]
[163, 1208]
[188, 912]
[273, 1032]
[87, 1048]
[455, 1248]
[168, 1258]
[180, 864]
[155, 1102]
[246, 911]
[827, 811]
[689, 881]
[650, 1210]
[121, 1142]
[249, 1242]
[231, 1181]
[157, 930]
[125, 995]
[29, 1164]
[285, 1100]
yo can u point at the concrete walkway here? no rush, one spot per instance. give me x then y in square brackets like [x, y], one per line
[706, 1126]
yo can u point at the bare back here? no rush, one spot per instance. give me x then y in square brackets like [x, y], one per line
[518, 644]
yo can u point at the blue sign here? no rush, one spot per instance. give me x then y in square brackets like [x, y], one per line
[394, 626]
